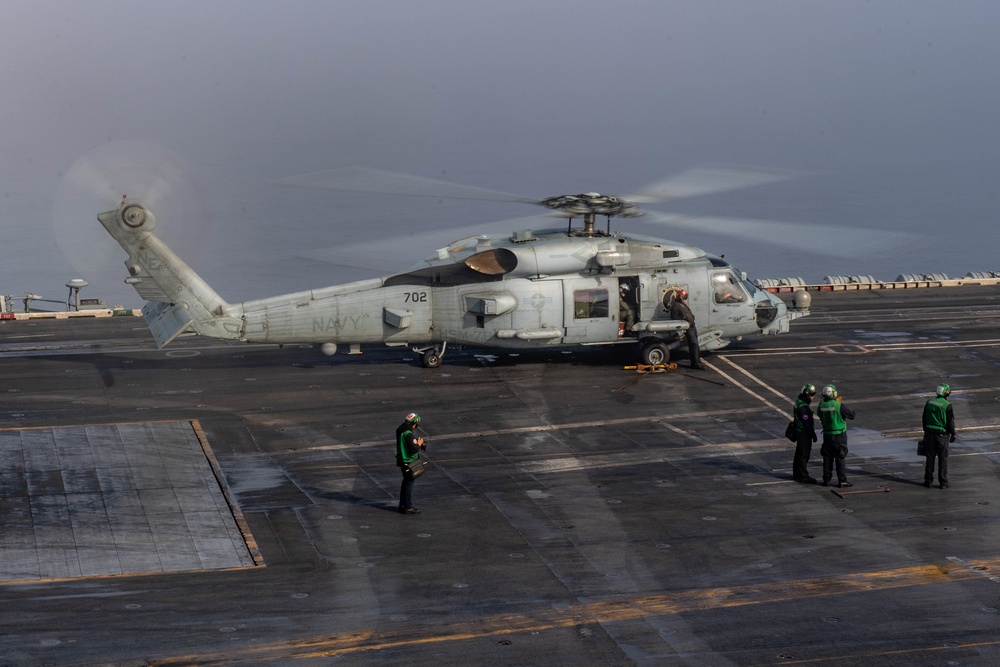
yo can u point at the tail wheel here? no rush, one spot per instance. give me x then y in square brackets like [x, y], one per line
[655, 353]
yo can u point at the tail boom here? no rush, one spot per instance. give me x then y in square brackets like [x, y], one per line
[179, 300]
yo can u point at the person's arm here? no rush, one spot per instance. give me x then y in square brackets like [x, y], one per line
[413, 443]
[846, 412]
[803, 415]
[950, 427]
[810, 422]
[686, 314]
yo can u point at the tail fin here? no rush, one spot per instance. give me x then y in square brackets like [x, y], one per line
[179, 298]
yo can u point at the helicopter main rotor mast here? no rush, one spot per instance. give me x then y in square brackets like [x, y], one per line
[590, 205]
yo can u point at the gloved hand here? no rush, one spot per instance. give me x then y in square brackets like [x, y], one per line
[952, 439]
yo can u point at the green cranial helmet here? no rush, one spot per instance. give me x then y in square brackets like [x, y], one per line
[829, 391]
[413, 418]
[943, 390]
[809, 389]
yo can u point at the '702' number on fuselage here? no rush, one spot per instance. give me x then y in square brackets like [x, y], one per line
[414, 297]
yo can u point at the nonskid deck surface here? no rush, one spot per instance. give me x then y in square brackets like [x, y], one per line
[113, 499]
[574, 512]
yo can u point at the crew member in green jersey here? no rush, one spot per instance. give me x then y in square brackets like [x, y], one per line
[832, 413]
[408, 448]
[805, 428]
[939, 431]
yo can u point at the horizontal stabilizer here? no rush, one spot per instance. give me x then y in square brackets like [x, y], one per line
[148, 290]
[166, 322]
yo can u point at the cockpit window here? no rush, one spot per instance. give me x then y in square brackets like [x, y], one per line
[728, 288]
[717, 262]
[590, 303]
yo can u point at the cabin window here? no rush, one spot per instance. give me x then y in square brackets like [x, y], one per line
[727, 288]
[590, 303]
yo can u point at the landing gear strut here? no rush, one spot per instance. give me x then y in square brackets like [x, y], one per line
[430, 357]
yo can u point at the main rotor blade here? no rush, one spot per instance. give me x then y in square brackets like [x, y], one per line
[708, 180]
[395, 255]
[378, 181]
[835, 241]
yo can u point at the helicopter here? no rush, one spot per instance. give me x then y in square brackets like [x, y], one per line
[529, 289]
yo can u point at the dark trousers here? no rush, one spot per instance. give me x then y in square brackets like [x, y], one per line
[803, 450]
[406, 492]
[691, 336]
[834, 451]
[936, 447]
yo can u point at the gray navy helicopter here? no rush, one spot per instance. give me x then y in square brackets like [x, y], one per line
[534, 288]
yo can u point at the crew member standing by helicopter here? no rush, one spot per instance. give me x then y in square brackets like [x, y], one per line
[805, 427]
[832, 413]
[408, 447]
[939, 431]
[679, 310]
[626, 313]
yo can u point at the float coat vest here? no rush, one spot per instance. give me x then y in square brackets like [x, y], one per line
[936, 414]
[403, 433]
[797, 410]
[829, 414]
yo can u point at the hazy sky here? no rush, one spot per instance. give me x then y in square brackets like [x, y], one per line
[893, 104]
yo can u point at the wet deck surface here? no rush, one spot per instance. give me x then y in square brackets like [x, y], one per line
[574, 512]
[84, 501]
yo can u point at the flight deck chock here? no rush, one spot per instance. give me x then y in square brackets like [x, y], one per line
[841, 494]
[644, 370]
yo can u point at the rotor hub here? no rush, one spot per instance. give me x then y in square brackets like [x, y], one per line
[591, 203]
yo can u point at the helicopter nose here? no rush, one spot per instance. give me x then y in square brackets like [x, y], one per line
[770, 310]
[782, 308]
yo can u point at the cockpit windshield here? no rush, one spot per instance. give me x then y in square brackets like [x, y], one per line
[728, 288]
[747, 284]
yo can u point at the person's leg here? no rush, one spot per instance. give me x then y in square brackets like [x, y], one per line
[943, 464]
[694, 354]
[929, 463]
[798, 464]
[842, 471]
[800, 468]
[406, 493]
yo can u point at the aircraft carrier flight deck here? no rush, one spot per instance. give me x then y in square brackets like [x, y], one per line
[215, 503]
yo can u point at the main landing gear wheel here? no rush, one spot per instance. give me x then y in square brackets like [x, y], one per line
[655, 353]
[430, 357]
